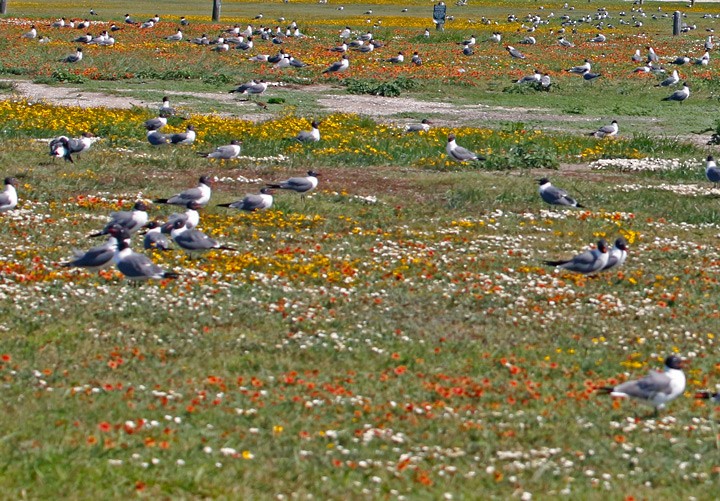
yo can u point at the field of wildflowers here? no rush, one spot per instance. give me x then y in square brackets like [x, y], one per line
[394, 335]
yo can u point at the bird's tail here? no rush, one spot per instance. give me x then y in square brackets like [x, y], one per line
[605, 390]
[275, 186]
[555, 263]
[226, 247]
[580, 206]
[224, 205]
[171, 274]
[160, 201]
[665, 99]
[204, 155]
[98, 234]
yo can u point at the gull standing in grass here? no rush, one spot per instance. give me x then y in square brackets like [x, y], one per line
[252, 88]
[587, 262]
[253, 202]
[130, 221]
[679, 95]
[166, 110]
[200, 194]
[310, 136]
[300, 185]
[132, 265]
[9, 197]
[458, 153]
[617, 255]
[175, 37]
[226, 152]
[64, 147]
[514, 52]
[711, 171]
[94, 259]
[155, 138]
[554, 195]
[657, 389]
[156, 123]
[534, 78]
[338, 66]
[606, 130]
[589, 76]
[31, 34]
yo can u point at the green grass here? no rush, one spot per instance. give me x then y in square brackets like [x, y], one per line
[396, 334]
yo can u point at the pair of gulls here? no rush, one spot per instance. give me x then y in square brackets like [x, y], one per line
[65, 147]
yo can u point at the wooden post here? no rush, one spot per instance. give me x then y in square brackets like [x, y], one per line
[676, 23]
[217, 4]
[3, 6]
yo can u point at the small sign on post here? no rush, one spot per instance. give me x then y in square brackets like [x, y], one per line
[676, 23]
[439, 12]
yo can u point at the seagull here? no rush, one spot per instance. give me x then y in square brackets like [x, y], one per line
[128, 19]
[617, 255]
[704, 60]
[309, 136]
[709, 44]
[227, 152]
[586, 263]
[514, 52]
[534, 78]
[183, 21]
[556, 196]
[471, 41]
[416, 60]
[253, 202]
[191, 239]
[423, 126]
[495, 37]
[245, 45]
[94, 259]
[606, 130]
[253, 87]
[60, 23]
[680, 60]
[176, 37]
[8, 197]
[458, 153]
[588, 76]
[711, 171]
[156, 123]
[656, 389]
[64, 147]
[599, 38]
[187, 137]
[636, 58]
[132, 265]
[679, 95]
[652, 57]
[87, 38]
[165, 109]
[670, 81]
[200, 194]
[467, 50]
[191, 217]
[154, 237]
[530, 40]
[396, 59]
[31, 34]
[301, 185]
[565, 43]
[340, 48]
[346, 32]
[157, 139]
[579, 70]
[74, 58]
[545, 81]
[338, 66]
[130, 221]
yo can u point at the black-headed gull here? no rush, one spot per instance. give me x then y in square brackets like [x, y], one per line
[554, 195]
[458, 153]
[253, 202]
[587, 262]
[200, 194]
[130, 221]
[132, 265]
[8, 197]
[606, 130]
[301, 185]
[679, 95]
[310, 136]
[226, 152]
[617, 255]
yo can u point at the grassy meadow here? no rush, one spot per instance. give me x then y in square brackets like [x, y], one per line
[395, 334]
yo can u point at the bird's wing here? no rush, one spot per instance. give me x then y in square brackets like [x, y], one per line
[195, 240]
[186, 196]
[250, 202]
[555, 195]
[139, 265]
[463, 153]
[297, 184]
[645, 388]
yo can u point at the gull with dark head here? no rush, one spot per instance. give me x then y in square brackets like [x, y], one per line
[554, 195]
[586, 263]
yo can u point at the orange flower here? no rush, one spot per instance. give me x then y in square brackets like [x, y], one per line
[104, 426]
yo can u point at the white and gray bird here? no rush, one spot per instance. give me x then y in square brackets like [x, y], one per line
[200, 194]
[156, 123]
[338, 66]
[74, 58]
[704, 60]
[679, 95]
[130, 221]
[556, 196]
[166, 110]
[94, 259]
[252, 88]
[458, 153]
[187, 137]
[562, 42]
[176, 37]
[154, 237]
[588, 76]
[9, 197]
[31, 34]
[192, 240]
[155, 138]
[527, 79]
[579, 70]
[599, 38]
[636, 58]
[585, 263]
[712, 172]
[225, 152]
[680, 60]
[64, 147]
[191, 216]
[617, 255]
[423, 126]
[514, 52]
[670, 81]
[310, 136]
[657, 389]
[253, 202]
[300, 185]
[396, 59]
[606, 130]
[132, 265]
